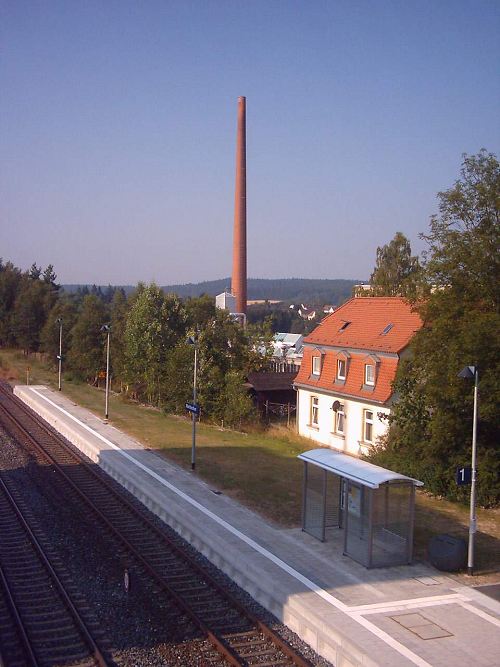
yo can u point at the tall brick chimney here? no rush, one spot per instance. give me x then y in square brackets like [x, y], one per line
[239, 277]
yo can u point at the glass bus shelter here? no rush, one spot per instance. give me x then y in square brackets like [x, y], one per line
[372, 505]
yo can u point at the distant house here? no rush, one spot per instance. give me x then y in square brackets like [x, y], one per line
[288, 347]
[350, 360]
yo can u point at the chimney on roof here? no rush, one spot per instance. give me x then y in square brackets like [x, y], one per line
[239, 277]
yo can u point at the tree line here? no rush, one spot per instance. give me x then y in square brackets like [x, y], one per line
[151, 360]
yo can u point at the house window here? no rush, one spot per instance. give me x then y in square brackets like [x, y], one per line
[314, 411]
[369, 374]
[316, 365]
[368, 426]
[341, 368]
[340, 420]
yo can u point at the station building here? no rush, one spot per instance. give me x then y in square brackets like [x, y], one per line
[344, 385]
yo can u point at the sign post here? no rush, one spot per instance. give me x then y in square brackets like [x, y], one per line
[193, 407]
[59, 356]
[471, 373]
[463, 475]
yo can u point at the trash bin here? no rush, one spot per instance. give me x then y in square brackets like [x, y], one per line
[447, 553]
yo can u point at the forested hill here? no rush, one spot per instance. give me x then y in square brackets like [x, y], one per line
[294, 290]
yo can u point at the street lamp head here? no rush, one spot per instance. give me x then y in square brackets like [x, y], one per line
[59, 320]
[106, 328]
[192, 340]
[468, 373]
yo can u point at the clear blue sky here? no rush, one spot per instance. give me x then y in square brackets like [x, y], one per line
[118, 126]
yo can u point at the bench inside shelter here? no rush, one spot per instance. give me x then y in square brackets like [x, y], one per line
[372, 505]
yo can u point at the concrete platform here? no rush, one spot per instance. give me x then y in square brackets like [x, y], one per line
[391, 617]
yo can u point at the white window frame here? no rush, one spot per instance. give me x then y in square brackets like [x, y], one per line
[368, 424]
[316, 365]
[314, 411]
[370, 381]
[340, 419]
[339, 365]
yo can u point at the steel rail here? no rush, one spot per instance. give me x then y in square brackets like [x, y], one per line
[222, 646]
[77, 619]
[33, 662]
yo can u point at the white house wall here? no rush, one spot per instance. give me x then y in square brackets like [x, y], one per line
[352, 442]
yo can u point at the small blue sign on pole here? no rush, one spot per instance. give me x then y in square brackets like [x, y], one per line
[193, 407]
[463, 475]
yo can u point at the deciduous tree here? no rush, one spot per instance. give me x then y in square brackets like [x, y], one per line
[396, 271]
[154, 326]
[431, 428]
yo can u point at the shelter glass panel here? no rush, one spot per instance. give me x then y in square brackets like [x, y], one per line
[357, 542]
[332, 510]
[391, 524]
[314, 502]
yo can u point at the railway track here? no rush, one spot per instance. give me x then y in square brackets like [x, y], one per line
[40, 623]
[236, 635]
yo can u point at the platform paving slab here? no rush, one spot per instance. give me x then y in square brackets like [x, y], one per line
[344, 611]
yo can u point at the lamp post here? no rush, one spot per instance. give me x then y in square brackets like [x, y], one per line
[193, 340]
[107, 329]
[60, 323]
[472, 373]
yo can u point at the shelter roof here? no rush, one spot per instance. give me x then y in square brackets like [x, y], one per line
[357, 470]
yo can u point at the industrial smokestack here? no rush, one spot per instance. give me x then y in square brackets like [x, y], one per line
[239, 278]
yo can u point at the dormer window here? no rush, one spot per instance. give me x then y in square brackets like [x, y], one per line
[316, 365]
[343, 359]
[372, 365]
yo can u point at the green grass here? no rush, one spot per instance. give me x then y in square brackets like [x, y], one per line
[259, 469]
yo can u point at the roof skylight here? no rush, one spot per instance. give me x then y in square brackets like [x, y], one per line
[387, 329]
[344, 326]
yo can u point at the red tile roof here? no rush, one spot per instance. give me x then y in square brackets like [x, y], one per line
[368, 317]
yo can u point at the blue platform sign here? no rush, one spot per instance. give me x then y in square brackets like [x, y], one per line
[193, 407]
[463, 475]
